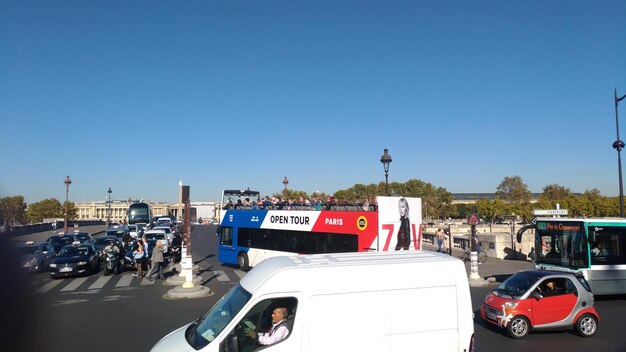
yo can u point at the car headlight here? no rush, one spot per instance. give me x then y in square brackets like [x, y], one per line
[510, 305]
[52, 265]
[82, 263]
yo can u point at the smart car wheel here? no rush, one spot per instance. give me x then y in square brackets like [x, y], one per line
[242, 260]
[587, 325]
[518, 327]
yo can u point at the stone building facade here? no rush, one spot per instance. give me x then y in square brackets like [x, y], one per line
[98, 210]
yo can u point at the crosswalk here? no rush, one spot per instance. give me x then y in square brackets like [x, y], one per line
[95, 283]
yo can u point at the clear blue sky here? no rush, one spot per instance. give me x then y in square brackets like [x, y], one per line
[137, 95]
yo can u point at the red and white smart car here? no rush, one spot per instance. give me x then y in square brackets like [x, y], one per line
[538, 299]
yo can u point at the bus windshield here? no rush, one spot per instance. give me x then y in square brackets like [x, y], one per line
[139, 213]
[562, 244]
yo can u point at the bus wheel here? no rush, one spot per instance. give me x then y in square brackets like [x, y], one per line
[242, 260]
[586, 325]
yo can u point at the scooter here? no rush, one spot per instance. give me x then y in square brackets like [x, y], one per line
[112, 263]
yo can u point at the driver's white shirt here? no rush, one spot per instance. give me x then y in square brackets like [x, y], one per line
[275, 334]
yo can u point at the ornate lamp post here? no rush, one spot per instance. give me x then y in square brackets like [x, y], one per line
[109, 209]
[285, 183]
[67, 191]
[386, 160]
[619, 145]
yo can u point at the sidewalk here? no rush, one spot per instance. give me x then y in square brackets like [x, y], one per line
[498, 269]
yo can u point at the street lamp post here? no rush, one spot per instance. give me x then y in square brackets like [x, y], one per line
[109, 208]
[67, 191]
[619, 145]
[386, 160]
[285, 182]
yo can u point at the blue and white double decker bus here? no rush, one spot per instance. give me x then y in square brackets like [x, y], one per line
[595, 247]
[250, 234]
[139, 213]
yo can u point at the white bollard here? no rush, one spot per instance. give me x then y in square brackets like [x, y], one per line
[474, 266]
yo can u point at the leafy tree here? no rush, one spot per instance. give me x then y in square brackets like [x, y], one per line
[50, 208]
[516, 196]
[513, 190]
[555, 194]
[13, 210]
[490, 210]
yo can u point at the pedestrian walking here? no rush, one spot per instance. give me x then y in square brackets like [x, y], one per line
[440, 235]
[138, 255]
[157, 262]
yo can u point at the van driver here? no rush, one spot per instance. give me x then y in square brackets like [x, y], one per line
[278, 331]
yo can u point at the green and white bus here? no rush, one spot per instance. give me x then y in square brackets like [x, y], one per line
[594, 246]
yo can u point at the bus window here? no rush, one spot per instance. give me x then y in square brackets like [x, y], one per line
[226, 237]
[610, 246]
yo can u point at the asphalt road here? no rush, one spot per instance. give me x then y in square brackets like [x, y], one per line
[123, 313]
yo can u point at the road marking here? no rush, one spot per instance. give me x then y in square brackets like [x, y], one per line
[49, 286]
[124, 280]
[102, 280]
[220, 275]
[146, 281]
[240, 273]
[74, 284]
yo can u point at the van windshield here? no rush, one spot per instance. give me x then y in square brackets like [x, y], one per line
[206, 329]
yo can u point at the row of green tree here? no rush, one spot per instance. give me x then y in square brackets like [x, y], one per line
[512, 197]
[15, 211]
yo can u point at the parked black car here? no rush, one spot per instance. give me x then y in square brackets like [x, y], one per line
[82, 236]
[61, 240]
[75, 259]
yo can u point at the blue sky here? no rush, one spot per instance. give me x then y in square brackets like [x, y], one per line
[137, 95]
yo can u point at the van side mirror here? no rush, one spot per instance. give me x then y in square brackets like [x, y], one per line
[219, 231]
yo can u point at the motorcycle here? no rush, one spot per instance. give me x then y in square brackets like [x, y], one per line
[175, 249]
[112, 263]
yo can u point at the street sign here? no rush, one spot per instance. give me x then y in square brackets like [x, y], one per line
[550, 212]
[473, 219]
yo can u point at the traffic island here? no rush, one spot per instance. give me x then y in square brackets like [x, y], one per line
[178, 280]
[180, 292]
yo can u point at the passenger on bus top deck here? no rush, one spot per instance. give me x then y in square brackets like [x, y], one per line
[267, 203]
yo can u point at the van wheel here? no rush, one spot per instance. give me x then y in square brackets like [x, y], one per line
[518, 327]
[242, 260]
[587, 325]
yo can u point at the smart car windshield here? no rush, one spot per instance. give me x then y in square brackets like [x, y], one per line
[203, 331]
[517, 284]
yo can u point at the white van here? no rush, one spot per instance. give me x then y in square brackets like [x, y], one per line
[385, 301]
